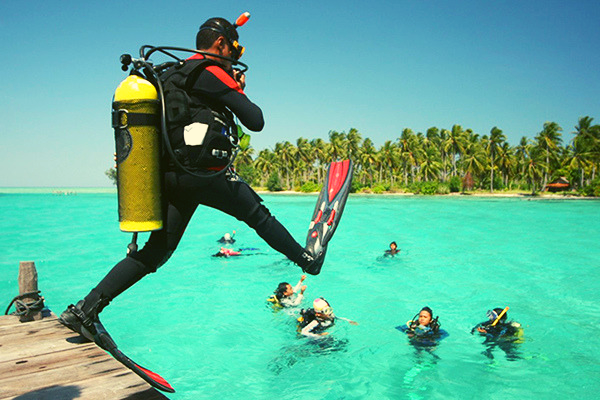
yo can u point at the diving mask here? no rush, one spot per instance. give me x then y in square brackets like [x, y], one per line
[492, 315]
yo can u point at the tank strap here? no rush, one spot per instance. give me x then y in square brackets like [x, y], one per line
[122, 119]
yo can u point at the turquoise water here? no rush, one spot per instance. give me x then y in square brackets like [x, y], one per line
[202, 322]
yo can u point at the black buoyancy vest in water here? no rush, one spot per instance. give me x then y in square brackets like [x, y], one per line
[308, 316]
[202, 134]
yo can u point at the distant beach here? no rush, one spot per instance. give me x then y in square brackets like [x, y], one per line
[67, 191]
[56, 190]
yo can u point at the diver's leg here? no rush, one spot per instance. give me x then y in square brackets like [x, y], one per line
[161, 244]
[234, 197]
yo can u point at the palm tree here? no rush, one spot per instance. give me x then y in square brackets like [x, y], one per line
[337, 149]
[586, 144]
[430, 163]
[265, 163]
[368, 158]
[305, 155]
[474, 159]
[435, 138]
[319, 150]
[409, 152]
[353, 140]
[454, 145]
[388, 158]
[244, 155]
[577, 159]
[285, 155]
[535, 166]
[506, 161]
[549, 140]
[494, 142]
[444, 133]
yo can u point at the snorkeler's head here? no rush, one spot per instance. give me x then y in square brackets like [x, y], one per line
[425, 316]
[227, 236]
[321, 306]
[493, 314]
[393, 245]
[281, 289]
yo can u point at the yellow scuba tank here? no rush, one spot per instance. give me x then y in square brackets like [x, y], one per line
[136, 122]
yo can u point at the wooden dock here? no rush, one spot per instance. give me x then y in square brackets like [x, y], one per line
[45, 360]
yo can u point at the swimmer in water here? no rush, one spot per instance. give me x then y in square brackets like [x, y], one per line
[227, 238]
[225, 252]
[314, 321]
[287, 296]
[425, 324]
[500, 332]
[393, 250]
[424, 329]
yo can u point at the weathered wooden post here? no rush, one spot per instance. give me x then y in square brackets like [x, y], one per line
[28, 283]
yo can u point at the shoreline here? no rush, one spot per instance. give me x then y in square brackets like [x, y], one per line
[540, 196]
[65, 191]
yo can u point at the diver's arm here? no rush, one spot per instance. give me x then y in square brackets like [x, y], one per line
[221, 86]
[298, 286]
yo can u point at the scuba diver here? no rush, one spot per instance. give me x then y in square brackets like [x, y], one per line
[314, 321]
[227, 238]
[392, 251]
[202, 94]
[499, 332]
[423, 329]
[287, 296]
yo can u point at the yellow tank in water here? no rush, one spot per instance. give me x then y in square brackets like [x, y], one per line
[136, 122]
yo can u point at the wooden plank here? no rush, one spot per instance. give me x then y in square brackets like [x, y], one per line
[90, 390]
[6, 320]
[45, 360]
[39, 331]
[102, 371]
[45, 345]
[30, 365]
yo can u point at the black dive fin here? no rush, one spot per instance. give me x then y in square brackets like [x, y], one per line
[103, 339]
[330, 206]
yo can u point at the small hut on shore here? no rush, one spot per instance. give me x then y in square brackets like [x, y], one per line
[558, 185]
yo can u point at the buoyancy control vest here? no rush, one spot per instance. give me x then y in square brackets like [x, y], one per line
[308, 316]
[202, 134]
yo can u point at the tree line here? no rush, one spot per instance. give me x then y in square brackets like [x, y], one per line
[437, 161]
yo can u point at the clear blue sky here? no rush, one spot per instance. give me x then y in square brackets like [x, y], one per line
[377, 66]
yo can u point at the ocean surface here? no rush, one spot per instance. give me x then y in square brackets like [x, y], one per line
[203, 323]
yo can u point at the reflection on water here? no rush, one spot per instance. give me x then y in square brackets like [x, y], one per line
[304, 349]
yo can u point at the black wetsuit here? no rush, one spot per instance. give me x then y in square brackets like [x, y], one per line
[184, 192]
[503, 335]
[506, 329]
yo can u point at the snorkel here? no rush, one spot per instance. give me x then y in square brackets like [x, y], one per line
[500, 316]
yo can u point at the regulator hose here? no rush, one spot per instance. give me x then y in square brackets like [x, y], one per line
[148, 68]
